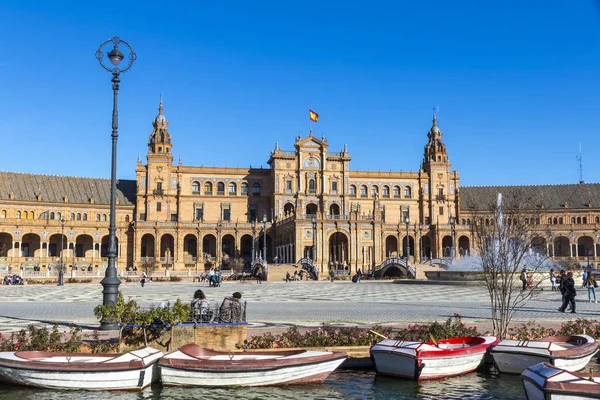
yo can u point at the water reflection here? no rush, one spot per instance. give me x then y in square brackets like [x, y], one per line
[341, 385]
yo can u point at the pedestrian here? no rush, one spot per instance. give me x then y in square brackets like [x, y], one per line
[562, 276]
[570, 293]
[553, 280]
[331, 275]
[524, 278]
[144, 277]
[358, 275]
[258, 275]
[584, 278]
[295, 275]
[591, 287]
[287, 277]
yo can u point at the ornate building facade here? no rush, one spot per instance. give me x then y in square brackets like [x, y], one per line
[307, 204]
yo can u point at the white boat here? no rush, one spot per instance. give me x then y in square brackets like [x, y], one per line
[571, 353]
[192, 365]
[133, 370]
[429, 360]
[544, 381]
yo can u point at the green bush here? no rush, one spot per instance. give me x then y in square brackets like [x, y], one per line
[42, 339]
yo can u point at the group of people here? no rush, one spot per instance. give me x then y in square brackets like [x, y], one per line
[295, 277]
[231, 309]
[565, 283]
[12, 280]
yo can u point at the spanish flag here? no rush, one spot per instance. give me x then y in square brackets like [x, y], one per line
[313, 115]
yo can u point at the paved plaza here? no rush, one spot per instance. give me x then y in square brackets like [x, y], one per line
[279, 304]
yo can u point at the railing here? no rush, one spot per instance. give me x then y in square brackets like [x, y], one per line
[158, 192]
[397, 196]
[386, 196]
[189, 258]
[312, 191]
[334, 154]
[440, 197]
[363, 195]
[208, 192]
[352, 195]
[288, 152]
[335, 216]
[220, 193]
[233, 193]
[195, 192]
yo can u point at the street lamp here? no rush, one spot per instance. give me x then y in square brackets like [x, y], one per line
[253, 238]
[265, 238]
[452, 248]
[420, 243]
[62, 242]
[111, 282]
[407, 222]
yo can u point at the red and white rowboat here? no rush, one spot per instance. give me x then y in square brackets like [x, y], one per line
[134, 370]
[420, 360]
[544, 381]
[571, 353]
[192, 365]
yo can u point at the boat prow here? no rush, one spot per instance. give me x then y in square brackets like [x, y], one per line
[544, 381]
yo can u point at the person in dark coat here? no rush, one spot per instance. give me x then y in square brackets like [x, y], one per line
[570, 293]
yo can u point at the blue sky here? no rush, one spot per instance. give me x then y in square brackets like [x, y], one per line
[516, 82]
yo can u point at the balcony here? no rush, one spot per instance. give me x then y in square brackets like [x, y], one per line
[440, 197]
[158, 192]
[195, 192]
[397, 196]
[312, 191]
[220, 193]
[363, 196]
[233, 193]
[208, 192]
[353, 195]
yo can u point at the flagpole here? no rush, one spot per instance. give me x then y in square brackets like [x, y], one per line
[309, 122]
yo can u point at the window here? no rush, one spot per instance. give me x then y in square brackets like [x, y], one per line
[78, 216]
[232, 189]
[549, 221]
[85, 216]
[352, 191]
[374, 191]
[407, 192]
[256, 189]
[396, 192]
[195, 187]
[252, 213]
[585, 220]
[311, 186]
[208, 188]
[226, 213]
[441, 210]
[363, 191]
[288, 186]
[97, 217]
[173, 217]
[440, 194]
[199, 214]
[159, 206]
[72, 216]
[18, 216]
[579, 220]
[244, 188]
[52, 215]
[24, 214]
[334, 187]
[104, 217]
[386, 192]
[560, 221]
[127, 218]
[159, 187]
[597, 219]
[220, 189]
[3, 214]
[32, 215]
[572, 220]
[142, 216]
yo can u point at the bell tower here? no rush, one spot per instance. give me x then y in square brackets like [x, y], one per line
[159, 143]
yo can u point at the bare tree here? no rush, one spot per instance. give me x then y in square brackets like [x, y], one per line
[507, 238]
[149, 266]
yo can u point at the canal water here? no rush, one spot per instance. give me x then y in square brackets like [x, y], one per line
[342, 385]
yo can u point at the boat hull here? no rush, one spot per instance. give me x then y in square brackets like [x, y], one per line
[285, 375]
[546, 382]
[515, 363]
[135, 379]
[407, 366]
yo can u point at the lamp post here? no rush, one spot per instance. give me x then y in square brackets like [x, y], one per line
[452, 248]
[265, 238]
[407, 223]
[111, 282]
[61, 273]
[420, 243]
[253, 238]
[314, 241]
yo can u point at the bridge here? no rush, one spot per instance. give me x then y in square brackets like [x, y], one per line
[392, 266]
[440, 262]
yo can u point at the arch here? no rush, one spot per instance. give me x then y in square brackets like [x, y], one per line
[30, 245]
[246, 247]
[386, 191]
[396, 191]
[394, 267]
[447, 246]
[208, 188]
[147, 245]
[391, 246]
[334, 209]
[195, 187]
[5, 244]
[411, 243]
[103, 217]
[427, 253]
[256, 189]
[288, 209]
[312, 188]
[560, 221]
[244, 189]
[72, 217]
[228, 245]
[78, 216]
[52, 215]
[338, 250]
[3, 214]
[26, 215]
[363, 191]
[538, 244]
[127, 218]
[220, 188]
[85, 216]
[98, 217]
[585, 246]
[311, 209]
[562, 247]
[232, 188]
[209, 245]
[84, 246]
[374, 191]
[167, 246]
[352, 191]
[32, 215]
[407, 192]
[54, 249]
[573, 220]
[190, 247]
[464, 246]
[18, 215]
[269, 246]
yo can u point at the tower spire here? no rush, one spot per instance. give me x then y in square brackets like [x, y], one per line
[434, 117]
[160, 107]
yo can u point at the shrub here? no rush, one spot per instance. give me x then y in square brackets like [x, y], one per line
[43, 339]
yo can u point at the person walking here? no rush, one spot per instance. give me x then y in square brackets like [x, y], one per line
[358, 275]
[144, 277]
[584, 278]
[591, 284]
[524, 278]
[570, 293]
[331, 275]
[553, 280]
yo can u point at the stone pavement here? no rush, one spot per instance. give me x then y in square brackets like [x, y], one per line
[278, 304]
